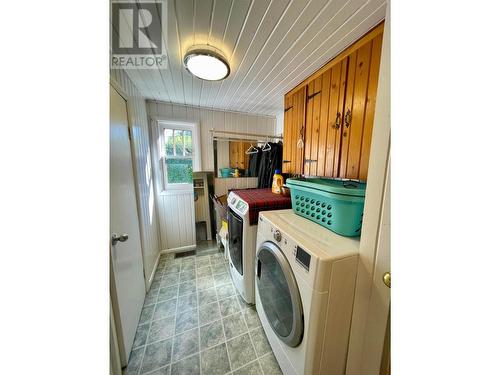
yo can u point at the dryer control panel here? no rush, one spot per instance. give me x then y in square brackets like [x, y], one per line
[237, 204]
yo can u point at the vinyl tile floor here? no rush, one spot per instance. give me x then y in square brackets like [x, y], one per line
[194, 322]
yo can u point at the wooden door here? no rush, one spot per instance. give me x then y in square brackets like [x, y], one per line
[318, 94]
[288, 136]
[294, 129]
[359, 109]
[333, 137]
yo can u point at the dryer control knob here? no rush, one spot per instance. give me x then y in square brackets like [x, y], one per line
[277, 235]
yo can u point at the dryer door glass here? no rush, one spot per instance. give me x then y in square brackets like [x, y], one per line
[236, 240]
[279, 294]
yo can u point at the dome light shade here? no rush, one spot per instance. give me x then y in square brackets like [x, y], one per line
[206, 62]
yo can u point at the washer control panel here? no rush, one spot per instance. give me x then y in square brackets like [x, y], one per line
[301, 256]
[277, 235]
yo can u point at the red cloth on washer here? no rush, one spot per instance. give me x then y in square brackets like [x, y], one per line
[262, 200]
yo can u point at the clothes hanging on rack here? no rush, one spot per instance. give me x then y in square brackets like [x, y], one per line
[253, 163]
[269, 162]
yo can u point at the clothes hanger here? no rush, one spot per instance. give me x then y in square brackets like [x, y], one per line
[267, 146]
[252, 150]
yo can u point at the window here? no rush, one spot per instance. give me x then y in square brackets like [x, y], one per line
[178, 154]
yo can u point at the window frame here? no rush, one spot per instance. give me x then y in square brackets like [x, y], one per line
[195, 152]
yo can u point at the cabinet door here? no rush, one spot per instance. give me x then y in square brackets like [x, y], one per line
[359, 106]
[318, 168]
[288, 136]
[316, 124]
[298, 128]
[335, 116]
[293, 156]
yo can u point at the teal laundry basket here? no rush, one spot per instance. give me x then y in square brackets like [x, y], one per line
[333, 203]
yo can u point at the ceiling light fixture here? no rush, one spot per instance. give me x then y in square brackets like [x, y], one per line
[206, 62]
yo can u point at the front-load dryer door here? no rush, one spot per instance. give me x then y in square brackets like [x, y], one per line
[235, 240]
[279, 294]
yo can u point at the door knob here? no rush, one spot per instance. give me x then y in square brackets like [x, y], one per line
[387, 279]
[116, 238]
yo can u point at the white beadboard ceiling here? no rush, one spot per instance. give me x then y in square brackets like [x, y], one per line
[271, 45]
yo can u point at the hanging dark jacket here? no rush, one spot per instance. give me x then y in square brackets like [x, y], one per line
[253, 163]
[269, 162]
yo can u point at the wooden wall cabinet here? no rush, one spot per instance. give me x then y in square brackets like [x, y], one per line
[338, 113]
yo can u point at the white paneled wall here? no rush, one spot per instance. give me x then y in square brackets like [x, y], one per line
[280, 123]
[223, 185]
[173, 210]
[143, 174]
[208, 119]
[177, 220]
[222, 156]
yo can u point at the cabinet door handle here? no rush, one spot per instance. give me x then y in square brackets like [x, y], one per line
[287, 161]
[337, 121]
[348, 118]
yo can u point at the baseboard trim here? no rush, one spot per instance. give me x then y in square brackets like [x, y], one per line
[178, 249]
[150, 279]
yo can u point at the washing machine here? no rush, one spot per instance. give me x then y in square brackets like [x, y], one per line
[304, 284]
[244, 206]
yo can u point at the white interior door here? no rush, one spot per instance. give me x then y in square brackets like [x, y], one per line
[127, 277]
[375, 343]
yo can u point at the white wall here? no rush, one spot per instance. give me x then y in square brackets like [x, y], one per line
[174, 236]
[223, 185]
[208, 119]
[280, 123]
[143, 173]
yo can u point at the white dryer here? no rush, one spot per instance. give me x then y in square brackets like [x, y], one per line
[243, 213]
[304, 284]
